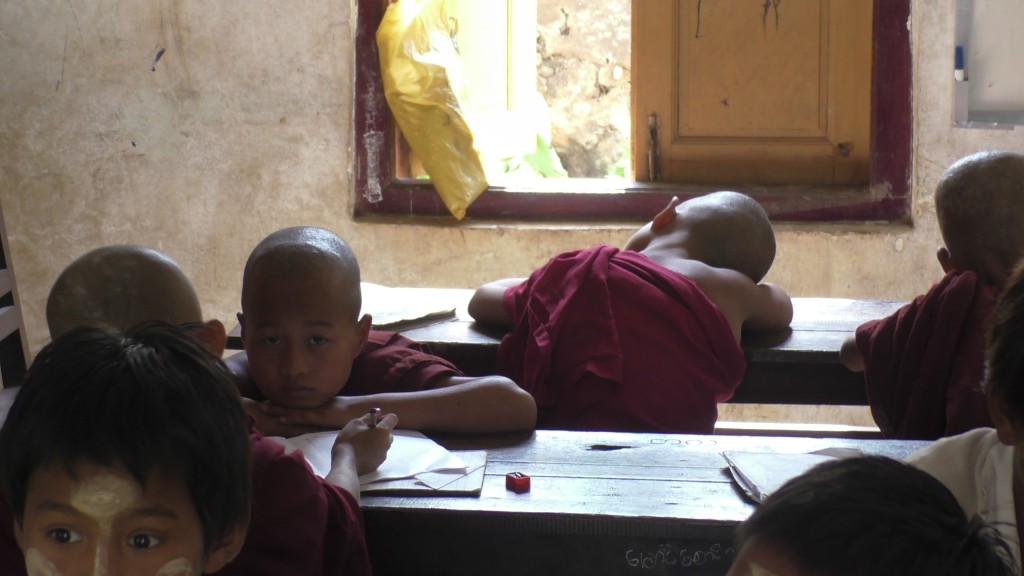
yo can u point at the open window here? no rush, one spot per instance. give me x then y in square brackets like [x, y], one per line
[866, 176]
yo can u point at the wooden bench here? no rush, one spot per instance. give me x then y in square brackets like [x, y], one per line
[599, 503]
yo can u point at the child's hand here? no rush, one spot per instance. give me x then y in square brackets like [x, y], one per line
[369, 445]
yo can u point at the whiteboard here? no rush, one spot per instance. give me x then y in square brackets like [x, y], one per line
[991, 35]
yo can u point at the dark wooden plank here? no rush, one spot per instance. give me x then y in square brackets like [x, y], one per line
[797, 366]
[600, 503]
[814, 383]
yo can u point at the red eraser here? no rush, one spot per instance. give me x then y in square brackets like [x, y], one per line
[517, 482]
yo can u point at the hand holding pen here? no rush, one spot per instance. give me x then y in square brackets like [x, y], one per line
[370, 438]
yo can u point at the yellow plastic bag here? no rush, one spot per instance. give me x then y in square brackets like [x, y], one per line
[424, 86]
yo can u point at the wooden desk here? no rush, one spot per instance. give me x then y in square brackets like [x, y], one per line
[798, 366]
[600, 503]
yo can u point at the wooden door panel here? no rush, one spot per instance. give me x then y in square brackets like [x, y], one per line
[753, 91]
[746, 73]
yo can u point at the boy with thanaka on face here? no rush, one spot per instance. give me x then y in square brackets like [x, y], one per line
[300, 524]
[646, 338]
[312, 360]
[923, 364]
[126, 454]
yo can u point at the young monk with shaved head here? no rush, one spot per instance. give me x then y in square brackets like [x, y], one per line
[122, 285]
[923, 364]
[300, 524]
[313, 360]
[645, 338]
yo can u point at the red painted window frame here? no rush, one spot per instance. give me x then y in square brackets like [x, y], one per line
[887, 197]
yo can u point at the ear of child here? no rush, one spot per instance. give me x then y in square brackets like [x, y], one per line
[225, 549]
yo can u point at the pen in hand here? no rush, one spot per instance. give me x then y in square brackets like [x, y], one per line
[374, 416]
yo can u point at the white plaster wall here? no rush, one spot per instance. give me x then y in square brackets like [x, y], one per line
[244, 126]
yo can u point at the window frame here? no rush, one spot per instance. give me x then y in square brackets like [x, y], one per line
[886, 198]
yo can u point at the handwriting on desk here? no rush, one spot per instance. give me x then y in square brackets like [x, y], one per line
[687, 442]
[669, 556]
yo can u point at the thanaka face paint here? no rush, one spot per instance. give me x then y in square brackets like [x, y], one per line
[102, 497]
[99, 520]
[177, 567]
[36, 564]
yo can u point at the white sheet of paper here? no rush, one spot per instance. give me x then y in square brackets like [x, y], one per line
[760, 474]
[411, 453]
[393, 306]
[438, 479]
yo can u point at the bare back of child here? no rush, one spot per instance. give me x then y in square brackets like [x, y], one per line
[724, 242]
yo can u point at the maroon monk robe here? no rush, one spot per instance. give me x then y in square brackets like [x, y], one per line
[391, 362]
[609, 340]
[923, 365]
[301, 525]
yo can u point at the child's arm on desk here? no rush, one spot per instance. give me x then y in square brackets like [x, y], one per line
[770, 309]
[850, 356]
[481, 405]
[487, 305]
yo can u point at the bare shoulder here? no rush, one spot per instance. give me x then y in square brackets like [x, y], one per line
[746, 305]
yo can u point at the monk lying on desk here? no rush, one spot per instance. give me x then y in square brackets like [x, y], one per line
[313, 362]
[646, 338]
[923, 364]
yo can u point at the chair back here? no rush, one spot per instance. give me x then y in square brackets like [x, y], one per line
[13, 360]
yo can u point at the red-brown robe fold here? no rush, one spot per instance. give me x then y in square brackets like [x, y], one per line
[610, 340]
[923, 364]
[300, 523]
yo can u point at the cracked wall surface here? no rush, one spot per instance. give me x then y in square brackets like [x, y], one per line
[244, 126]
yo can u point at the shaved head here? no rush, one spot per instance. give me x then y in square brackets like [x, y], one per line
[302, 253]
[729, 230]
[979, 203]
[118, 287]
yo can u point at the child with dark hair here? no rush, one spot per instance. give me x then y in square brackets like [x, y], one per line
[300, 524]
[127, 454]
[870, 516]
[983, 467]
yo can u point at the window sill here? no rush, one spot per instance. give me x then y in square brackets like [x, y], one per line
[586, 200]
